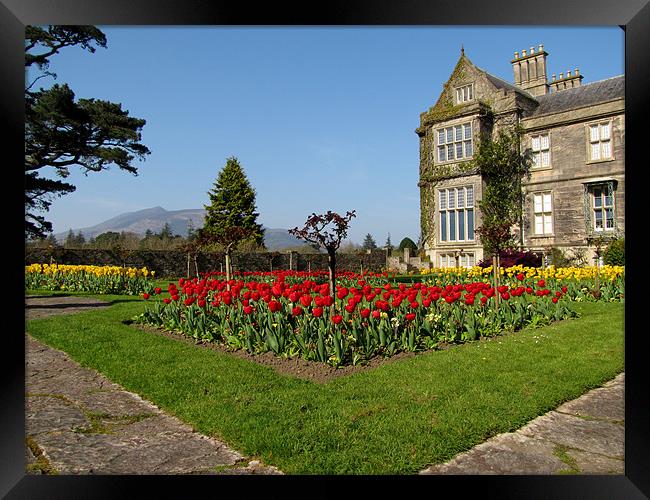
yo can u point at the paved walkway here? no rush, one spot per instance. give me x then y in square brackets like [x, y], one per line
[583, 436]
[79, 422]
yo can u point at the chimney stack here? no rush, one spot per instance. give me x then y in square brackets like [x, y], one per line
[530, 71]
[567, 81]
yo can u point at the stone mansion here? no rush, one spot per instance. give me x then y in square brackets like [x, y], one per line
[576, 131]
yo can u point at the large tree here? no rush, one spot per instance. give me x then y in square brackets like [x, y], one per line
[231, 217]
[61, 131]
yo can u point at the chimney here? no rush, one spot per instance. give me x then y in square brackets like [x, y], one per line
[567, 81]
[530, 70]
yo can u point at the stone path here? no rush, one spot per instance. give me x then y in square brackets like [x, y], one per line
[583, 436]
[79, 422]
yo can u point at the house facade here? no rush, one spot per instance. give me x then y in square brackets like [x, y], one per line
[574, 198]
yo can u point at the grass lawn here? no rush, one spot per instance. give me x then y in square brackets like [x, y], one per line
[394, 419]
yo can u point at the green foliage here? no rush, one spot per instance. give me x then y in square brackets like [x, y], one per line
[231, 217]
[503, 168]
[615, 253]
[408, 242]
[61, 131]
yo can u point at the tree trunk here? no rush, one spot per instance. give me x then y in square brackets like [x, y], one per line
[196, 267]
[495, 270]
[188, 265]
[331, 267]
[228, 267]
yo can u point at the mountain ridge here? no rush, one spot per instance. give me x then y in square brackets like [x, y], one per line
[179, 221]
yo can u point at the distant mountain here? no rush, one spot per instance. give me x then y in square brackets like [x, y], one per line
[179, 220]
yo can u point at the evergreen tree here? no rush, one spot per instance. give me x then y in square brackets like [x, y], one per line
[369, 243]
[389, 245]
[61, 132]
[230, 217]
[166, 232]
[408, 242]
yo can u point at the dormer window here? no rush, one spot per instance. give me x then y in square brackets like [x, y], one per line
[465, 93]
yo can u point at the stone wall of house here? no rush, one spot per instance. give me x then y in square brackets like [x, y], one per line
[570, 174]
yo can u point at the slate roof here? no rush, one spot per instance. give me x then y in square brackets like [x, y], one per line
[585, 95]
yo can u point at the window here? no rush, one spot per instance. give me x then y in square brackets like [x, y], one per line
[455, 143]
[456, 207]
[600, 141]
[449, 260]
[602, 207]
[543, 213]
[465, 93]
[541, 151]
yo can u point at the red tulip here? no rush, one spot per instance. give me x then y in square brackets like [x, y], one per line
[376, 314]
[554, 299]
[410, 316]
[145, 296]
[317, 312]
[297, 311]
[365, 312]
[248, 309]
[337, 318]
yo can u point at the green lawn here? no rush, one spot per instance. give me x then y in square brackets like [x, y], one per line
[394, 419]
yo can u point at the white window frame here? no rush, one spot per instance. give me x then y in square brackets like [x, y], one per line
[602, 209]
[543, 213]
[448, 140]
[465, 93]
[466, 260]
[602, 141]
[540, 144]
[456, 200]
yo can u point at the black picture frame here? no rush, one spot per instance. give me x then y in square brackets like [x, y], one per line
[632, 16]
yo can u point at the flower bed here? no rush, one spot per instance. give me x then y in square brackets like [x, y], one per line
[291, 314]
[92, 279]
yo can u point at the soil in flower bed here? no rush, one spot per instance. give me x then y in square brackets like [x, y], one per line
[314, 371]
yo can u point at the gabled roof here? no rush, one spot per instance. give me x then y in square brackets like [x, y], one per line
[585, 95]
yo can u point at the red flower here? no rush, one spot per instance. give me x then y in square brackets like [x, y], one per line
[365, 312]
[305, 300]
[414, 305]
[484, 300]
[376, 314]
[502, 289]
[296, 311]
[201, 303]
[521, 276]
[554, 299]
[337, 318]
[564, 289]
[541, 283]
[328, 300]
[317, 312]
[275, 306]
[175, 297]
[157, 290]
[410, 316]
[505, 295]
[189, 301]
[145, 296]
[529, 290]
[167, 300]
[350, 308]
[248, 309]
[342, 293]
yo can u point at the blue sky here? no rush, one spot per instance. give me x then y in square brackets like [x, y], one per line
[319, 118]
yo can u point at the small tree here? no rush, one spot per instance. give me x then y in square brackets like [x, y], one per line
[369, 243]
[503, 167]
[388, 245]
[314, 232]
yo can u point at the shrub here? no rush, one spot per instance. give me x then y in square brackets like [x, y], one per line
[615, 253]
[509, 258]
[408, 242]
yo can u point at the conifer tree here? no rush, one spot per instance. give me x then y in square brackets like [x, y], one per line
[231, 216]
[369, 243]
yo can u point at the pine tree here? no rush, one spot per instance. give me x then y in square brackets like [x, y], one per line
[389, 245]
[230, 217]
[369, 243]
